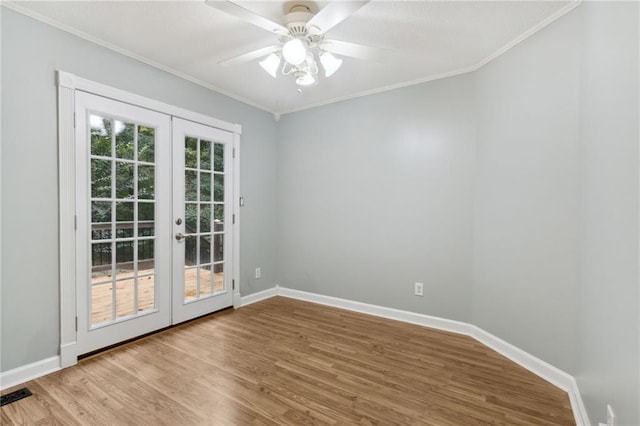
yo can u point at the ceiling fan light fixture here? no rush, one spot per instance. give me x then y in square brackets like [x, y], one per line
[294, 51]
[330, 63]
[305, 79]
[271, 64]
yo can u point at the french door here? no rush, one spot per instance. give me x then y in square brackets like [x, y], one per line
[202, 159]
[153, 213]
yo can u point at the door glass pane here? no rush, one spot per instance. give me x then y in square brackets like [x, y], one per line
[125, 295]
[122, 256]
[205, 186]
[190, 185]
[206, 280]
[202, 217]
[146, 180]
[101, 303]
[190, 284]
[100, 178]
[124, 180]
[146, 145]
[124, 140]
[205, 218]
[218, 187]
[205, 155]
[100, 135]
[218, 277]
[218, 157]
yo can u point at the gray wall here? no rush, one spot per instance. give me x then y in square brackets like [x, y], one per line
[376, 194]
[552, 139]
[609, 323]
[512, 193]
[31, 52]
[526, 194]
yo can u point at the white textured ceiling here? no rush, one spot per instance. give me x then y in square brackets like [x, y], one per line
[425, 39]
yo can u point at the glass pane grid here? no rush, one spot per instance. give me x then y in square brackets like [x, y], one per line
[204, 218]
[122, 219]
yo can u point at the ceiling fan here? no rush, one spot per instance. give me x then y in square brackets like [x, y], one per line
[302, 40]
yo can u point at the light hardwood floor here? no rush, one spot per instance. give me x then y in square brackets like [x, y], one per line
[287, 362]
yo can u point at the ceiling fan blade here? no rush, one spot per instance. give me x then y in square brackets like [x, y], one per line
[332, 14]
[355, 50]
[248, 16]
[249, 56]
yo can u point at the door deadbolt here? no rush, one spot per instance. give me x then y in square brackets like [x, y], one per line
[178, 221]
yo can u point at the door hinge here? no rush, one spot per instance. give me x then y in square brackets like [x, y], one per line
[233, 152]
[233, 219]
[76, 323]
[74, 120]
[75, 222]
[233, 284]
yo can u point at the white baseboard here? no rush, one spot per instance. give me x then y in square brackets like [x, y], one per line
[256, 297]
[28, 372]
[378, 311]
[548, 372]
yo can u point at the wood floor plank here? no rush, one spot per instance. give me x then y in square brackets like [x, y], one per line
[287, 362]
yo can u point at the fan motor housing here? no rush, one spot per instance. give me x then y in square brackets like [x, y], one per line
[296, 20]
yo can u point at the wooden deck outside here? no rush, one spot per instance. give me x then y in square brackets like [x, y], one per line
[101, 298]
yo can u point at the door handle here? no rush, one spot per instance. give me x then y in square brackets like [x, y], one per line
[179, 236]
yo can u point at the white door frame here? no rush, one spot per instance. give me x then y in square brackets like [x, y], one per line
[67, 86]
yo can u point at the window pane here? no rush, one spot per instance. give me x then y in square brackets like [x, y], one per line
[100, 135]
[218, 277]
[124, 258]
[190, 283]
[205, 218]
[146, 182]
[218, 217]
[206, 280]
[205, 186]
[218, 188]
[125, 298]
[145, 257]
[101, 261]
[100, 211]
[191, 153]
[124, 139]
[100, 178]
[205, 249]
[218, 159]
[124, 220]
[191, 218]
[190, 251]
[124, 180]
[205, 155]
[190, 185]
[101, 303]
[218, 247]
[146, 211]
[146, 144]
[124, 211]
[146, 293]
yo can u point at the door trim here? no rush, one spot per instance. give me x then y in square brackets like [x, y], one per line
[67, 85]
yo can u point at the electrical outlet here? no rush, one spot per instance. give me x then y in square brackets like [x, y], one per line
[258, 273]
[611, 416]
[419, 289]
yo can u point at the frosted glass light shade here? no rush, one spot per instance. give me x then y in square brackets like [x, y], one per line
[294, 51]
[305, 80]
[330, 63]
[270, 64]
